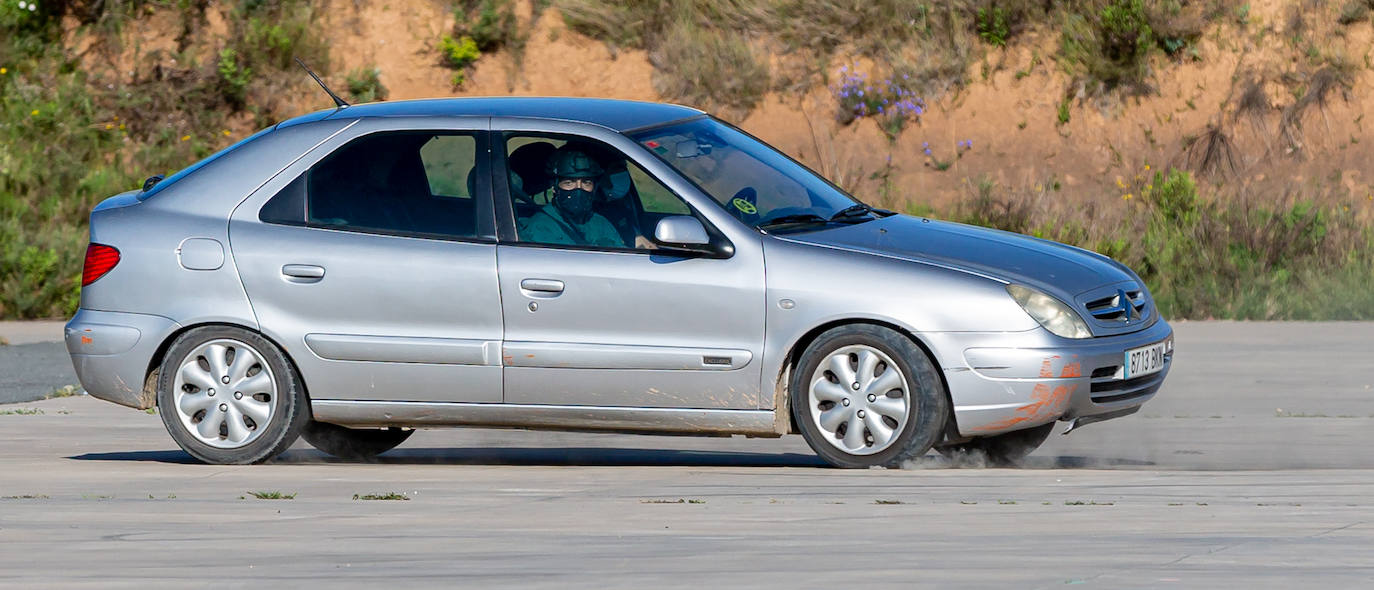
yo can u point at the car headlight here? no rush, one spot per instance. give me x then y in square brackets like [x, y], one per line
[1056, 317]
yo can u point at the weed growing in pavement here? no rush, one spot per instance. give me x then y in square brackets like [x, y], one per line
[26, 497]
[22, 412]
[272, 495]
[64, 391]
[888, 502]
[680, 501]
[386, 496]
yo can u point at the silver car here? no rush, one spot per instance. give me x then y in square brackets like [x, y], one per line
[354, 274]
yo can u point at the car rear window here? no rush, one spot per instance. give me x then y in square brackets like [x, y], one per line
[184, 172]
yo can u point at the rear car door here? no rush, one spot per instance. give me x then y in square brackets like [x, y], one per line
[372, 261]
[628, 325]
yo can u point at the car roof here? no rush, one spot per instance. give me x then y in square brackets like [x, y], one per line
[620, 115]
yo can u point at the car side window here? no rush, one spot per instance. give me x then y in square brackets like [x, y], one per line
[405, 183]
[626, 202]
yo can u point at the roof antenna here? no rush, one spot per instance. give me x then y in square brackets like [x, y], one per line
[339, 102]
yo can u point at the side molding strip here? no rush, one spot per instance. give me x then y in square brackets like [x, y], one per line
[622, 419]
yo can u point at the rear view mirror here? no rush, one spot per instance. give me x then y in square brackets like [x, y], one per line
[691, 148]
[681, 231]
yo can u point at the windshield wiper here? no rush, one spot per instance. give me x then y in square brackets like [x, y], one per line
[858, 210]
[802, 218]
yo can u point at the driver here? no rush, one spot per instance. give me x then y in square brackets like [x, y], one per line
[568, 219]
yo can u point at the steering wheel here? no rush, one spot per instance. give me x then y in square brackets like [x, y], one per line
[745, 205]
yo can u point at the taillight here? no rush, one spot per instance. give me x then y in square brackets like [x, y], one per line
[100, 259]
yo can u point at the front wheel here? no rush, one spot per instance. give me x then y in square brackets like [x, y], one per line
[229, 396]
[1002, 450]
[353, 444]
[866, 396]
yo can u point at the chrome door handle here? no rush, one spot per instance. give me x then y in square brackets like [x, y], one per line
[542, 286]
[306, 272]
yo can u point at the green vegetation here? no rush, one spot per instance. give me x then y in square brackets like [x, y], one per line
[75, 129]
[1228, 256]
[482, 27]
[271, 495]
[22, 412]
[992, 25]
[365, 85]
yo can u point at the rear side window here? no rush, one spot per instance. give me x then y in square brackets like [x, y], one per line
[413, 183]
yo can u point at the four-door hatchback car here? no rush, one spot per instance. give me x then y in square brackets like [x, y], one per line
[584, 264]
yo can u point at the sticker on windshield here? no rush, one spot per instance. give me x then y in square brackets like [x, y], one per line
[744, 206]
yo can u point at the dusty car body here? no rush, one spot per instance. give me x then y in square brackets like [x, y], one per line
[233, 274]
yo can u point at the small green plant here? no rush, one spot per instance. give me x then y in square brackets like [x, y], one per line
[888, 502]
[992, 25]
[26, 497]
[677, 501]
[234, 77]
[270, 495]
[1063, 113]
[459, 53]
[22, 412]
[365, 85]
[64, 391]
[386, 496]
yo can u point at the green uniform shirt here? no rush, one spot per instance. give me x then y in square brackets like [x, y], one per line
[549, 227]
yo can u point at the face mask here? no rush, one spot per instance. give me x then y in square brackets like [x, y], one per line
[575, 204]
[618, 185]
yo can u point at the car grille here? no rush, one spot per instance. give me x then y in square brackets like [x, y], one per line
[1109, 309]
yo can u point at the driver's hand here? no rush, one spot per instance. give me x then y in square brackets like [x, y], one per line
[643, 243]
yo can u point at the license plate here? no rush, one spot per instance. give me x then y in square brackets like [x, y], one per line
[1145, 360]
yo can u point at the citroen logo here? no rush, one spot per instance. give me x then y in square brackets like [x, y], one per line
[1124, 306]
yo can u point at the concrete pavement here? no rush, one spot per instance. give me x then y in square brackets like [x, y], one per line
[1251, 469]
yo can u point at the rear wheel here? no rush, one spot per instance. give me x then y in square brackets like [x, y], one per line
[865, 396]
[229, 396]
[353, 444]
[1003, 450]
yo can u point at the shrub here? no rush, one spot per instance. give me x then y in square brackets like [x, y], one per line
[234, 78]
[365, 85]
[1111, 45]
[458, 54]
[709, 68]
[494, 25]
[992, 25]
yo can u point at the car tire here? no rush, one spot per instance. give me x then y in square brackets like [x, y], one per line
[1002, 450]
[882, 418]
[353, 444]
[229, 396]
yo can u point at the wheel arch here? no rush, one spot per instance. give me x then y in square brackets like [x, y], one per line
[160, 354]
[799, 346]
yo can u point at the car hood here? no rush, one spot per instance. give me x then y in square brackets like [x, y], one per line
[1052, 267]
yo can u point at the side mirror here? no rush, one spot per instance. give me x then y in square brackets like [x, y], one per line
[682, 231]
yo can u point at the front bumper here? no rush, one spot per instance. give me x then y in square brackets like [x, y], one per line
[1011, 381]
[112, 352]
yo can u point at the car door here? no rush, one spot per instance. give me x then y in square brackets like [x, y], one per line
[629, 326]
[372, 261]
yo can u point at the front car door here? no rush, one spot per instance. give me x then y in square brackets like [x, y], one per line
[372, 261]
[627, 325]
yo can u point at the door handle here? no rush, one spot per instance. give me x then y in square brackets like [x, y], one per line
[541, 287]
[302, 273]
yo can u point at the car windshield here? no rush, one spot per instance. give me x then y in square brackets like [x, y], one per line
[754, 182]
